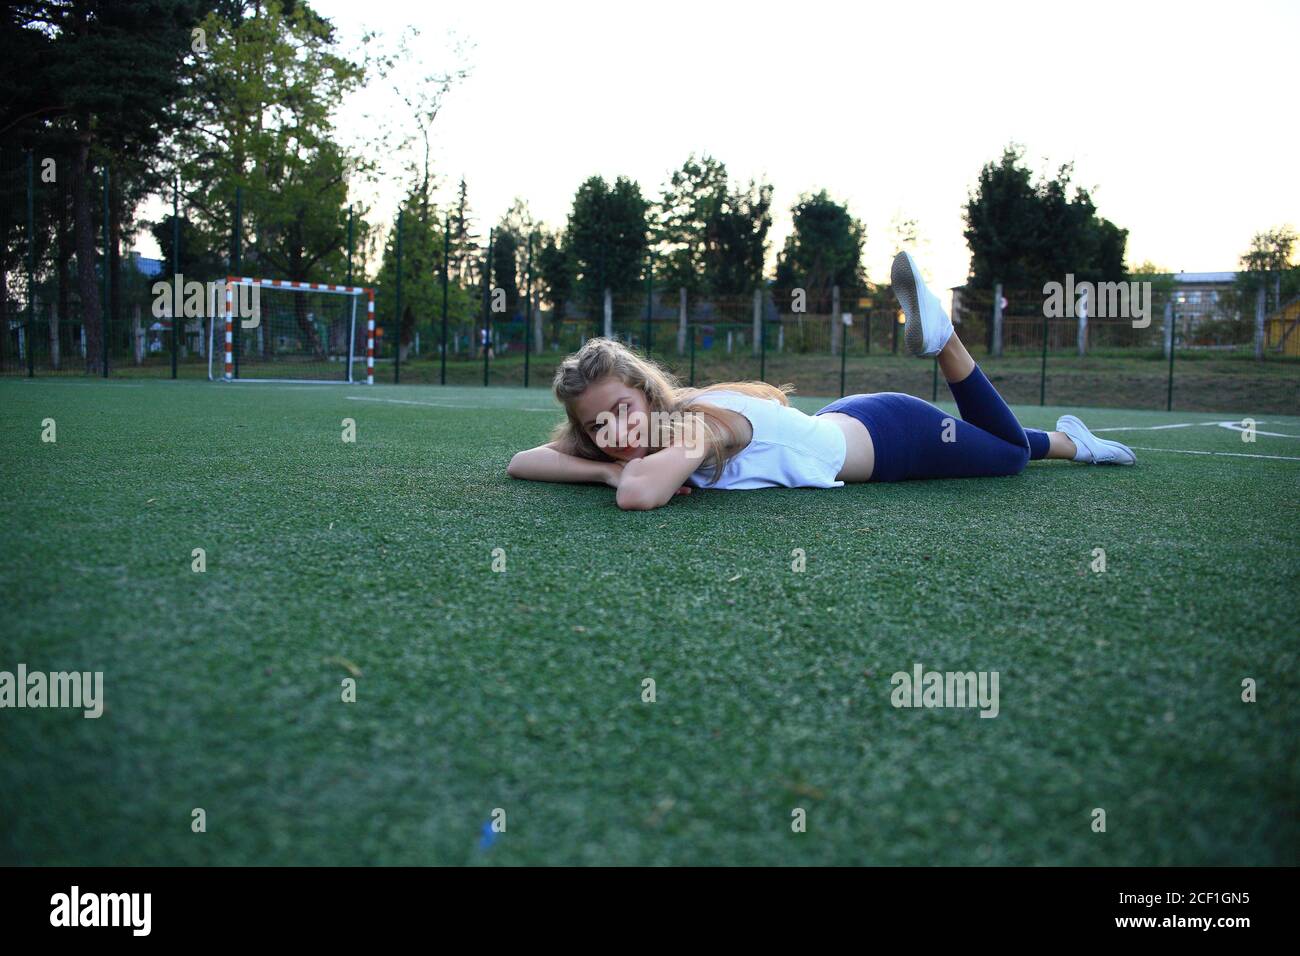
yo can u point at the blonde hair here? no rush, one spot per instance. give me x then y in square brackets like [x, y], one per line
[601, 357]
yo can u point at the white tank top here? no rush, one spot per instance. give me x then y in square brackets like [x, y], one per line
[789, 449]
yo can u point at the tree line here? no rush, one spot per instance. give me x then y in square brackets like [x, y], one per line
[236, 101]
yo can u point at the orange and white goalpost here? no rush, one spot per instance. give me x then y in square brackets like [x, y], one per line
[282, 331]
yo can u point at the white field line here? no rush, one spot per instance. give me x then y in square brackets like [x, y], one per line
[1219, 454]
[405, 401]
[63, 384]
[1235, 426]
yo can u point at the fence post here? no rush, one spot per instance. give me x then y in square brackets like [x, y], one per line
[446, 255]
[1260, 309]
[528, 312]
[397, 337]
[604, 294]
[609, 314]
[649, 301]
[681, 321]
[237, 263]
[1083, 324]
[837, 330]
[1042, 372]
[107, 292]
[997, 320]
[538, 332]
[31, 265]
[758, 322]
[487, 316]
[1169, 325]
[349, 244]
[844, 350]
[54, 337]
[762, 334]
[137, 337]
[1169, 318]
[178, 321]
[352, 332]
[692, 335]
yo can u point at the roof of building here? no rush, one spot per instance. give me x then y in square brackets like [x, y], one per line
[146, 266]
[1205, 278]
[1182, 278]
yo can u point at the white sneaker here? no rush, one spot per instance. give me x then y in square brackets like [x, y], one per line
[1090, 448]
[928, 327]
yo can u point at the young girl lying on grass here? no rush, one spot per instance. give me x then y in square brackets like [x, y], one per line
[738, 435]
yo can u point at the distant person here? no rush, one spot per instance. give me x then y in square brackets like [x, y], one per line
[747, 435]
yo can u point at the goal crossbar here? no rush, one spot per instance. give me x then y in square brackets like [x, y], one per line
[323, 287]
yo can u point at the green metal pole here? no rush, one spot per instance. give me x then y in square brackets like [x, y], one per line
[352, 344]
[446, 254]
[528, 312]
[1173, 340]
[349, 244]
[237, 265]
[692, 331]
[762, 344]
[107, 292]
[1042, 375]
[600, 313]
[177, 320]
[934, 381]
[397, 338]
[649, 302]
[866, 328]
[31, 265]
[487, 315]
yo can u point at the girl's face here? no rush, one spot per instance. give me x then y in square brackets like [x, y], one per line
[617, 437]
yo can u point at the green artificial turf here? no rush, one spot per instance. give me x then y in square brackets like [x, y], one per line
[522, 690]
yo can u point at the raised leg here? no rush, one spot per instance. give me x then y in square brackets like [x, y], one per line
[980, 404]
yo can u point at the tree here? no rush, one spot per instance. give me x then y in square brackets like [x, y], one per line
[421, 280]
[1002, 223]
[711, 237]
[505, 265]
[823, 250]
[556, 272]
[100, 85]
[737, 240]
[606, 241]
[1022, 234]
[518, 221]
[260, 118]
[1267, 263]
[689, 203]
[464, 240]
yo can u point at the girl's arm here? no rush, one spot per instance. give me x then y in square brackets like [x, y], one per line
[548, 463]
[652, 481]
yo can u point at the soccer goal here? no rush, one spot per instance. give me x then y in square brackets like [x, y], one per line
[281, 331]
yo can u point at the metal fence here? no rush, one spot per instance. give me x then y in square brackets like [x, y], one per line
[1182, 356]
[1205, 350]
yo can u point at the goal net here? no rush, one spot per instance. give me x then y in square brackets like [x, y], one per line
[276, 330]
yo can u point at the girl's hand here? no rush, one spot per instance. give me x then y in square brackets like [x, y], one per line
[614, 474]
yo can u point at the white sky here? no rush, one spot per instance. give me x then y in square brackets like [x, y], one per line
[1182, 114]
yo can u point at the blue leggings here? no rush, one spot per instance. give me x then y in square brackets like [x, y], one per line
[914, 439]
